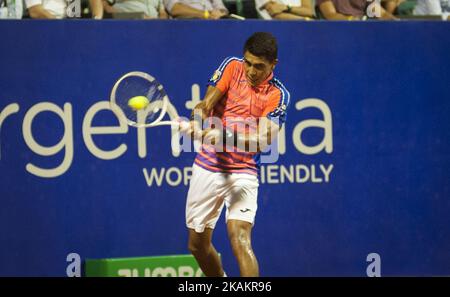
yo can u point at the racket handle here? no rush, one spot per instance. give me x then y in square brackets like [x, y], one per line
[181, 124]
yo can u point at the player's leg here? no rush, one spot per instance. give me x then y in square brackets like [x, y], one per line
[204, 252]
[239, 233]
[241, 202]
[203, 208]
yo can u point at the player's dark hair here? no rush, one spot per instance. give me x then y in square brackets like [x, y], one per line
[262, 44]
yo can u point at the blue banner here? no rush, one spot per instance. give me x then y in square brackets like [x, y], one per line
[361, 186]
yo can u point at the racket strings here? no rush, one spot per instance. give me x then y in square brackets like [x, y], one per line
[140, 84]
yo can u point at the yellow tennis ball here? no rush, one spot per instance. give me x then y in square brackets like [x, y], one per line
[138, 102]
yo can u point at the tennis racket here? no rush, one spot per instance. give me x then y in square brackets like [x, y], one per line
[140, 84]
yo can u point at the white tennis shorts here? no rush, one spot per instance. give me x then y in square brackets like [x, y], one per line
[209, 191]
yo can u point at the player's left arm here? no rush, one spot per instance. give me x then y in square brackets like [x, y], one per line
[269, 125]
[266, 132]
[218, 86]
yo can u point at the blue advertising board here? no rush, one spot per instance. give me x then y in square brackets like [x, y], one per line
[361, 186]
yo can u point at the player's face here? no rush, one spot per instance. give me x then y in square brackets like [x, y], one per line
[257, 69]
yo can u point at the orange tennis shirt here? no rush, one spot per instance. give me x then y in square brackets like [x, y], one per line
[240, 109]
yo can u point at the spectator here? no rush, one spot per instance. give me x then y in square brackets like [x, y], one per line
[391, 5]
[57, 9]
[433, 7]
[196, 9]
[350, 9]
[152, 9]
[10, 9]
[284, 9]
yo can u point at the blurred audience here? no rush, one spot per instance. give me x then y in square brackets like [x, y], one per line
[391, 5]
[11, 9]
[152, 9]
[352, 10]
[216, 9]
[433, 7]
[196, 9]
[58, 9]
[285, 9]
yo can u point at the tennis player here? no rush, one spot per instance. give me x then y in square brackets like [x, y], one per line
[242, 90]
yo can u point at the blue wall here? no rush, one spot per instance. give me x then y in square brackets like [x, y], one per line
[385, 84]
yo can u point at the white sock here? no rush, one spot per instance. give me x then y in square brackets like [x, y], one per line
[224, 274]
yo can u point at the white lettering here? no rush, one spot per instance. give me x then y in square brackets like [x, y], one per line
[374, 268]
[314, 178]
[88, 131]
[167, 271]
[7, 111]
[74, 268]
[154, 175]
[325, 124]
[298, 170]
[66, 141]
[178, 174]
[326, 171]
[285, 173]
[272, 174]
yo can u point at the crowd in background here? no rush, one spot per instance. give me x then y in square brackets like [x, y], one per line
[300, 10]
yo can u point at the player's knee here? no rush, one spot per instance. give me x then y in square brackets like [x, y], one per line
[197, 247]
[240, 240]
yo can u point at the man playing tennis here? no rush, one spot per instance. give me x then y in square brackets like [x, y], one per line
[240, 90]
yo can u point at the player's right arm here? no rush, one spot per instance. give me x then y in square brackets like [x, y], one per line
[219, 84]
[212, 96]
[203, 110]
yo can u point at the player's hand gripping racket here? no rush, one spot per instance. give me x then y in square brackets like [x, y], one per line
[140, 100]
